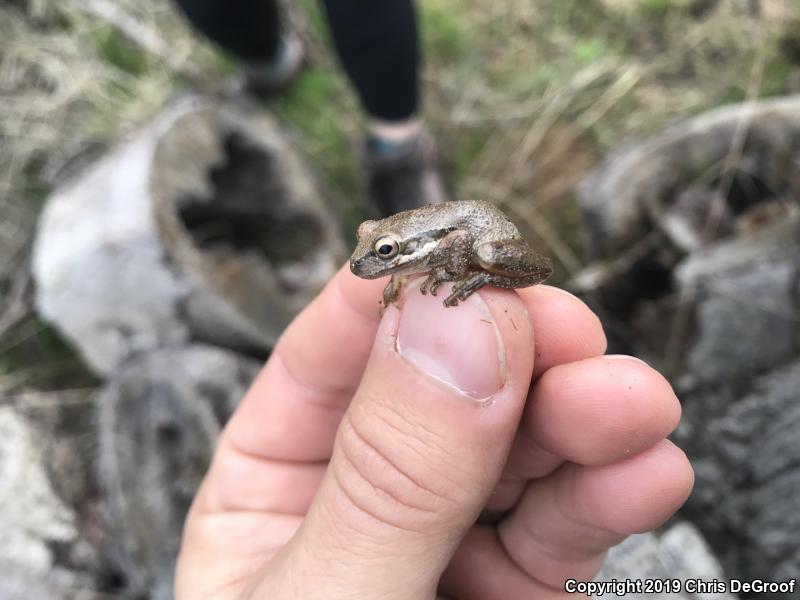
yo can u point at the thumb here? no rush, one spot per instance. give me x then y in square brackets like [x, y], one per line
[420, 448]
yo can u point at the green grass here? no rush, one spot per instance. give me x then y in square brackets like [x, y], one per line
[118, 51]
[34, 354]
[656, 8]
[778, 65]
[312, 104]
[314, 16]
[590, 50]
[319, 109]
[447, 35]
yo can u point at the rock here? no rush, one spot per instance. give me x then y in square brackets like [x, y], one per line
[18, 584]
[159, 417]
[204, 225]
[679, 553]
[747, 466]
[41, 544]
[696, 268]
[747, 309]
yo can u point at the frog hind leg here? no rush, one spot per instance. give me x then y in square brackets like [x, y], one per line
[505, 264]
[513, 264]
[466, 287]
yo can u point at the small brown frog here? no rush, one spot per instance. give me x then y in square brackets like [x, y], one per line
[470, 242]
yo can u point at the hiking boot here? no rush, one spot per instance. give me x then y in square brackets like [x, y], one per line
[401, 175]
[264, 81]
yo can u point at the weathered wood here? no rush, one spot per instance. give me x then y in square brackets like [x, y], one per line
[159, 418]
[630, 193]
[205, 224]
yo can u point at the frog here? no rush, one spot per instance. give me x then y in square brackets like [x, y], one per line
[471, 243]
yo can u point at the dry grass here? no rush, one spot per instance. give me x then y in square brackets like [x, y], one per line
[524, 95]
[66, 93]
[553, 85]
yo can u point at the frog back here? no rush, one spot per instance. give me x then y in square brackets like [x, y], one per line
[481, 219]
[486, 222]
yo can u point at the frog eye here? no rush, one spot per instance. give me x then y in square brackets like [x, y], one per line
[386, 247]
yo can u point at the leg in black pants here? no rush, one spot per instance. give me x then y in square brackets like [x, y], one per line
[378, 46]
[249, 29]
[376, 40]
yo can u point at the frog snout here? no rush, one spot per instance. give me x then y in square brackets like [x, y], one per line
[356, 264]
[363, 267]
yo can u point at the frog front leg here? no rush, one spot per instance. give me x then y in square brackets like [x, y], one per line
[392, 290]
[449, 262]
[506, 264]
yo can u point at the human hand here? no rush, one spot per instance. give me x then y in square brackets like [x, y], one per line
[361, 458]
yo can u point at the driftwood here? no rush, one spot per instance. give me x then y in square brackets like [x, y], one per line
[745, 152]
[204, 225]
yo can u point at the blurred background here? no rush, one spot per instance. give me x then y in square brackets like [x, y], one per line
[526, 99]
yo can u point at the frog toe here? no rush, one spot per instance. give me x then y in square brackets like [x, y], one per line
[450, 301]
